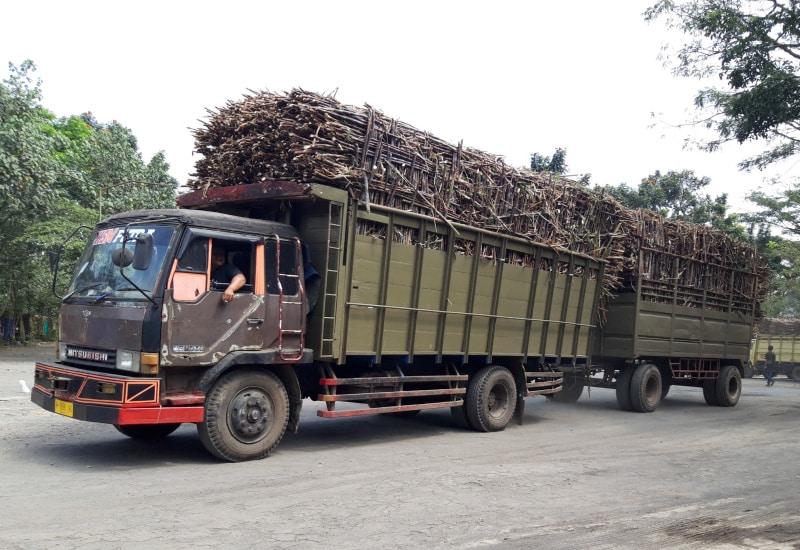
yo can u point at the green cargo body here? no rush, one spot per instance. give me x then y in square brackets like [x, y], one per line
[661, 333]
[636, 328]
[446, 292]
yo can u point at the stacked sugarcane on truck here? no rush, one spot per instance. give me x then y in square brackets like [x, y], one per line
[386, 272]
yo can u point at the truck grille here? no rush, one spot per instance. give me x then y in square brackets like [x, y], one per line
[91, 357]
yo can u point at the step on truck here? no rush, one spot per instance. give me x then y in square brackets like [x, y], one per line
[662, 332]
[366, 310]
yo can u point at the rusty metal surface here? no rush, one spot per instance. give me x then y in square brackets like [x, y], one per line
[254, 192]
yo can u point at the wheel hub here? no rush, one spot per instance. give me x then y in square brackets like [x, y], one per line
[251, 414]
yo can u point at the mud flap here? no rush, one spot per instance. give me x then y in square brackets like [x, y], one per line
[519, 412]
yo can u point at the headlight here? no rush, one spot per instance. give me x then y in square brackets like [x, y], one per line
[128, 360]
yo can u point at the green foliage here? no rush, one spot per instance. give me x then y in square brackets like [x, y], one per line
[678, 195]
[780, 210]
[557, 164]
[57, 174]
[753, 46]
[28, 169]
[784, 258]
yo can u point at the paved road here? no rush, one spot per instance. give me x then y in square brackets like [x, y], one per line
[572, 476]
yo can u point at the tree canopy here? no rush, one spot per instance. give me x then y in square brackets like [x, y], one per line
[678, 195]
[753, 48]
[57, 173]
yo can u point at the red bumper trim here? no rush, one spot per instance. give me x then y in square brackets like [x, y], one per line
[161, 415]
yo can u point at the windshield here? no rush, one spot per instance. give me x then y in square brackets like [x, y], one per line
[96, 275]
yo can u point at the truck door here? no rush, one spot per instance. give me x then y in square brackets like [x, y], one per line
[199, 327]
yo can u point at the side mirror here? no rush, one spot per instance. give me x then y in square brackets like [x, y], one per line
[122, 257]
[143, 251]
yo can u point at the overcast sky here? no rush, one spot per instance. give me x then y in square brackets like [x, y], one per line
[508, 77]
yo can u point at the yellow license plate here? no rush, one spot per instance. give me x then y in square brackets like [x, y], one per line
[64, 407]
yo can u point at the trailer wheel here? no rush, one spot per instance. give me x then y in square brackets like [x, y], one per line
[491, 399]
[796, 372]
[645, 388]
[247, 412]
[623, 387]
[147, 431]
[729, 386]
[710, 392]
[571, 390]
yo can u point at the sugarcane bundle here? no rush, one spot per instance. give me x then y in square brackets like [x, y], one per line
[313, 138]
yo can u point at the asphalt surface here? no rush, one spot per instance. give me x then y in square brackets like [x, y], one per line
[572, 476]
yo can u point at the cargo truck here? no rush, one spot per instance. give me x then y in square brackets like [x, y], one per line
[366, 309]
[784, 337]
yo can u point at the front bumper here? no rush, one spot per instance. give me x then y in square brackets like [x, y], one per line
[106, 398]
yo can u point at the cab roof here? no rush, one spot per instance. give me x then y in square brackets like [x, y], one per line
[200, 218]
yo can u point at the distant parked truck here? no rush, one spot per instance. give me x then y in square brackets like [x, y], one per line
[784, 337]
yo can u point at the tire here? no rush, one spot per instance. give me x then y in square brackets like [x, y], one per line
[748, 370]
[571, 390]
[623, 386]
[710, 392]
[491, 399]
[646, 388]
[247, 412]
[147, 431]
[728, 386]
[796, 372]
[459, 415]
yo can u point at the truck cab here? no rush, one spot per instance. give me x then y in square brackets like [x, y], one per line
[144, 321]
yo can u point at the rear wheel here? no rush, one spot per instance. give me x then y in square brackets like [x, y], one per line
[147, 431]
[728, 386]
[623, 386]
[796, 372]
[748, 370]
[246, 416]
[571, 390]
[459, 415]
[710, 392]
[645, 388]
[491, 399]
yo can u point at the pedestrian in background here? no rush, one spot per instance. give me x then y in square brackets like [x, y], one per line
[769, 365]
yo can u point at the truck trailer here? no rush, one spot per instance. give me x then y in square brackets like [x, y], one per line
[368, 310]
[662, 332]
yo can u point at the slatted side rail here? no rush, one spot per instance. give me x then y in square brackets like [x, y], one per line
[544, 383]
[390, 388]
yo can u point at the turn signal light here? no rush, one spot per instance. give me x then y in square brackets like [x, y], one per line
[149, 363]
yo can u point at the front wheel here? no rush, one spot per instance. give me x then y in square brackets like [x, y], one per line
[247, 413]
[491, 399]
[146, 431]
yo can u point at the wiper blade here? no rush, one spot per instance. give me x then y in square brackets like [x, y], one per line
[112, 292]
[82, 289]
